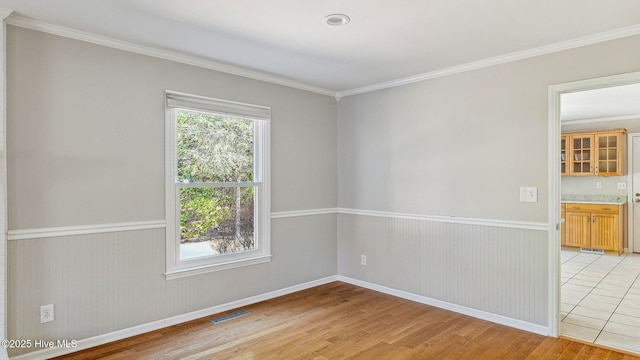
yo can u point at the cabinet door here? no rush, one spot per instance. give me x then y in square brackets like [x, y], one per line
[608, 154]
[564, 154]
[582, 148]
[578, 229]
[604, 231]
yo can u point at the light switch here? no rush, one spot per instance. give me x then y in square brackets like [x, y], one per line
[528, 194]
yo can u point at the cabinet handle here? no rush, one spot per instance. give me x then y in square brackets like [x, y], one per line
[606, 208]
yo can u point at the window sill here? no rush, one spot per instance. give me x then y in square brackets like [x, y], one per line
[177, 274]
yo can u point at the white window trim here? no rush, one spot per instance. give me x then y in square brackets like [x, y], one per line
[176, 268]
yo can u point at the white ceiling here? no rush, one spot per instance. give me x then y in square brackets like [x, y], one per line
[385, 40]
[612, 103]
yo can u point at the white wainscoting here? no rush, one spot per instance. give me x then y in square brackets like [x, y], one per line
[501, 270]
[109, 283]
[155, 325]
[491, 269]
[523, 325]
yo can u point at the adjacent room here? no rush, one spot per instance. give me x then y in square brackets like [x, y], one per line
[599, 163]
[336, 179]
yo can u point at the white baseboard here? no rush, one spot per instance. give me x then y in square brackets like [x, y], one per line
[499, 319]
[155, 325]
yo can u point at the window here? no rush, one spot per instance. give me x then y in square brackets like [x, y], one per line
[217, 184]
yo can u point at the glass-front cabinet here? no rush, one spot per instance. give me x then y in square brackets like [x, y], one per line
[592, 154]
[609, 152]
[564, 147]
[582, 155]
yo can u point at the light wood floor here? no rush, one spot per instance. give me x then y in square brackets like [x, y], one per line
[342, 321]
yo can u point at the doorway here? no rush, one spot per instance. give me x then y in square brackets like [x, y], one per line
[634, 192]
[556, 255]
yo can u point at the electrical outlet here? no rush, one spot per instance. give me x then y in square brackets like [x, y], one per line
[598, 184]
[363, 260]
[622, 186]
[46, 313]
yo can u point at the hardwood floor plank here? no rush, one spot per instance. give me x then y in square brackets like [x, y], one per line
[382, 350]
[571, 352]
[343, 321]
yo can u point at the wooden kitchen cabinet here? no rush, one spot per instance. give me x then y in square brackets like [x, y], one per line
[578, 229]
[581, 156]
[595, 226]
[609, 154]
[604, 231]
[593, 153]
[564, 153]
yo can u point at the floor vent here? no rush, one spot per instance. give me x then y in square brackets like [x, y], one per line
[592, 251]
[230, 316]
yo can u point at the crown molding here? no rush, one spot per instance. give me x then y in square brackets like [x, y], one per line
[161, 54]
[4, 13]
[542, 50]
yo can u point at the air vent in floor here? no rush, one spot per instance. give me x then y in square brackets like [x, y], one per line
[592, 251]
[229, 316]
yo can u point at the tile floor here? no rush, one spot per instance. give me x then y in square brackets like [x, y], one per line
[600, 298]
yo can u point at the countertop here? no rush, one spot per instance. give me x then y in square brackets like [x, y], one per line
[594, 199]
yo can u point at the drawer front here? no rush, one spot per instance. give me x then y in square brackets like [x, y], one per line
[599, 208]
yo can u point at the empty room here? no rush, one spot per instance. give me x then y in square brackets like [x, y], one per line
[318, 180]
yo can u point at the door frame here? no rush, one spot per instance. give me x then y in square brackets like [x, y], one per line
[630, 219]
[554, 93]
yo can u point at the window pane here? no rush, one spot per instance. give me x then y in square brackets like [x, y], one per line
[213, 148]
[216, 221]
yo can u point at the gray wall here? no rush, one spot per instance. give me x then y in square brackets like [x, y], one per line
[86, 147]
[87, 138]
[459, 146]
